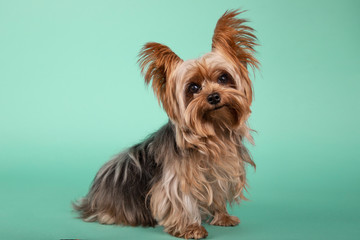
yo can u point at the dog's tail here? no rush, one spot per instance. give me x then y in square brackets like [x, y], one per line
[82, 206]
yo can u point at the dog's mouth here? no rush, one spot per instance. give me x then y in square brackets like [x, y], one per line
[218, 107]
[222, 116]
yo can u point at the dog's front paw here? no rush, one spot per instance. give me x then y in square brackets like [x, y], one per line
[193, 231]
[225, 220]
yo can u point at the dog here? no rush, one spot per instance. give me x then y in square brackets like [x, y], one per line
[186, 172]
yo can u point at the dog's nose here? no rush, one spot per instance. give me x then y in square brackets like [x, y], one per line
[214, 98]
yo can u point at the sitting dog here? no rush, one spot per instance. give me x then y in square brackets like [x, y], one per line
[188, 170]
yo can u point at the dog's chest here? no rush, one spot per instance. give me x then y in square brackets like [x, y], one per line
[224, 178]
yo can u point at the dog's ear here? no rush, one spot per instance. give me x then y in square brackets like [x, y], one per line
[157, 61]
[236, 42]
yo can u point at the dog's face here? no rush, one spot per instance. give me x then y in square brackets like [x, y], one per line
[209, 93]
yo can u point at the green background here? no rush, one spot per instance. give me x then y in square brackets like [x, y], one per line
[71, 96]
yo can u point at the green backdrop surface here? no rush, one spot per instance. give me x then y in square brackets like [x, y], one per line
[71, 96]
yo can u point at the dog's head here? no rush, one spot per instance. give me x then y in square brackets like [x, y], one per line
[211, 92]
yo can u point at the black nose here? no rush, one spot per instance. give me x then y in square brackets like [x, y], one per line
[214, 98]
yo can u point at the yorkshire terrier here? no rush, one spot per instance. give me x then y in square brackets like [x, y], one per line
[187, 171]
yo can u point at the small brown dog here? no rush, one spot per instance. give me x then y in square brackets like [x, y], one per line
[188, 170]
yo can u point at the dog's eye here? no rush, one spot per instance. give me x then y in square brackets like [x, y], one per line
[223, 79]
[194, 88]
